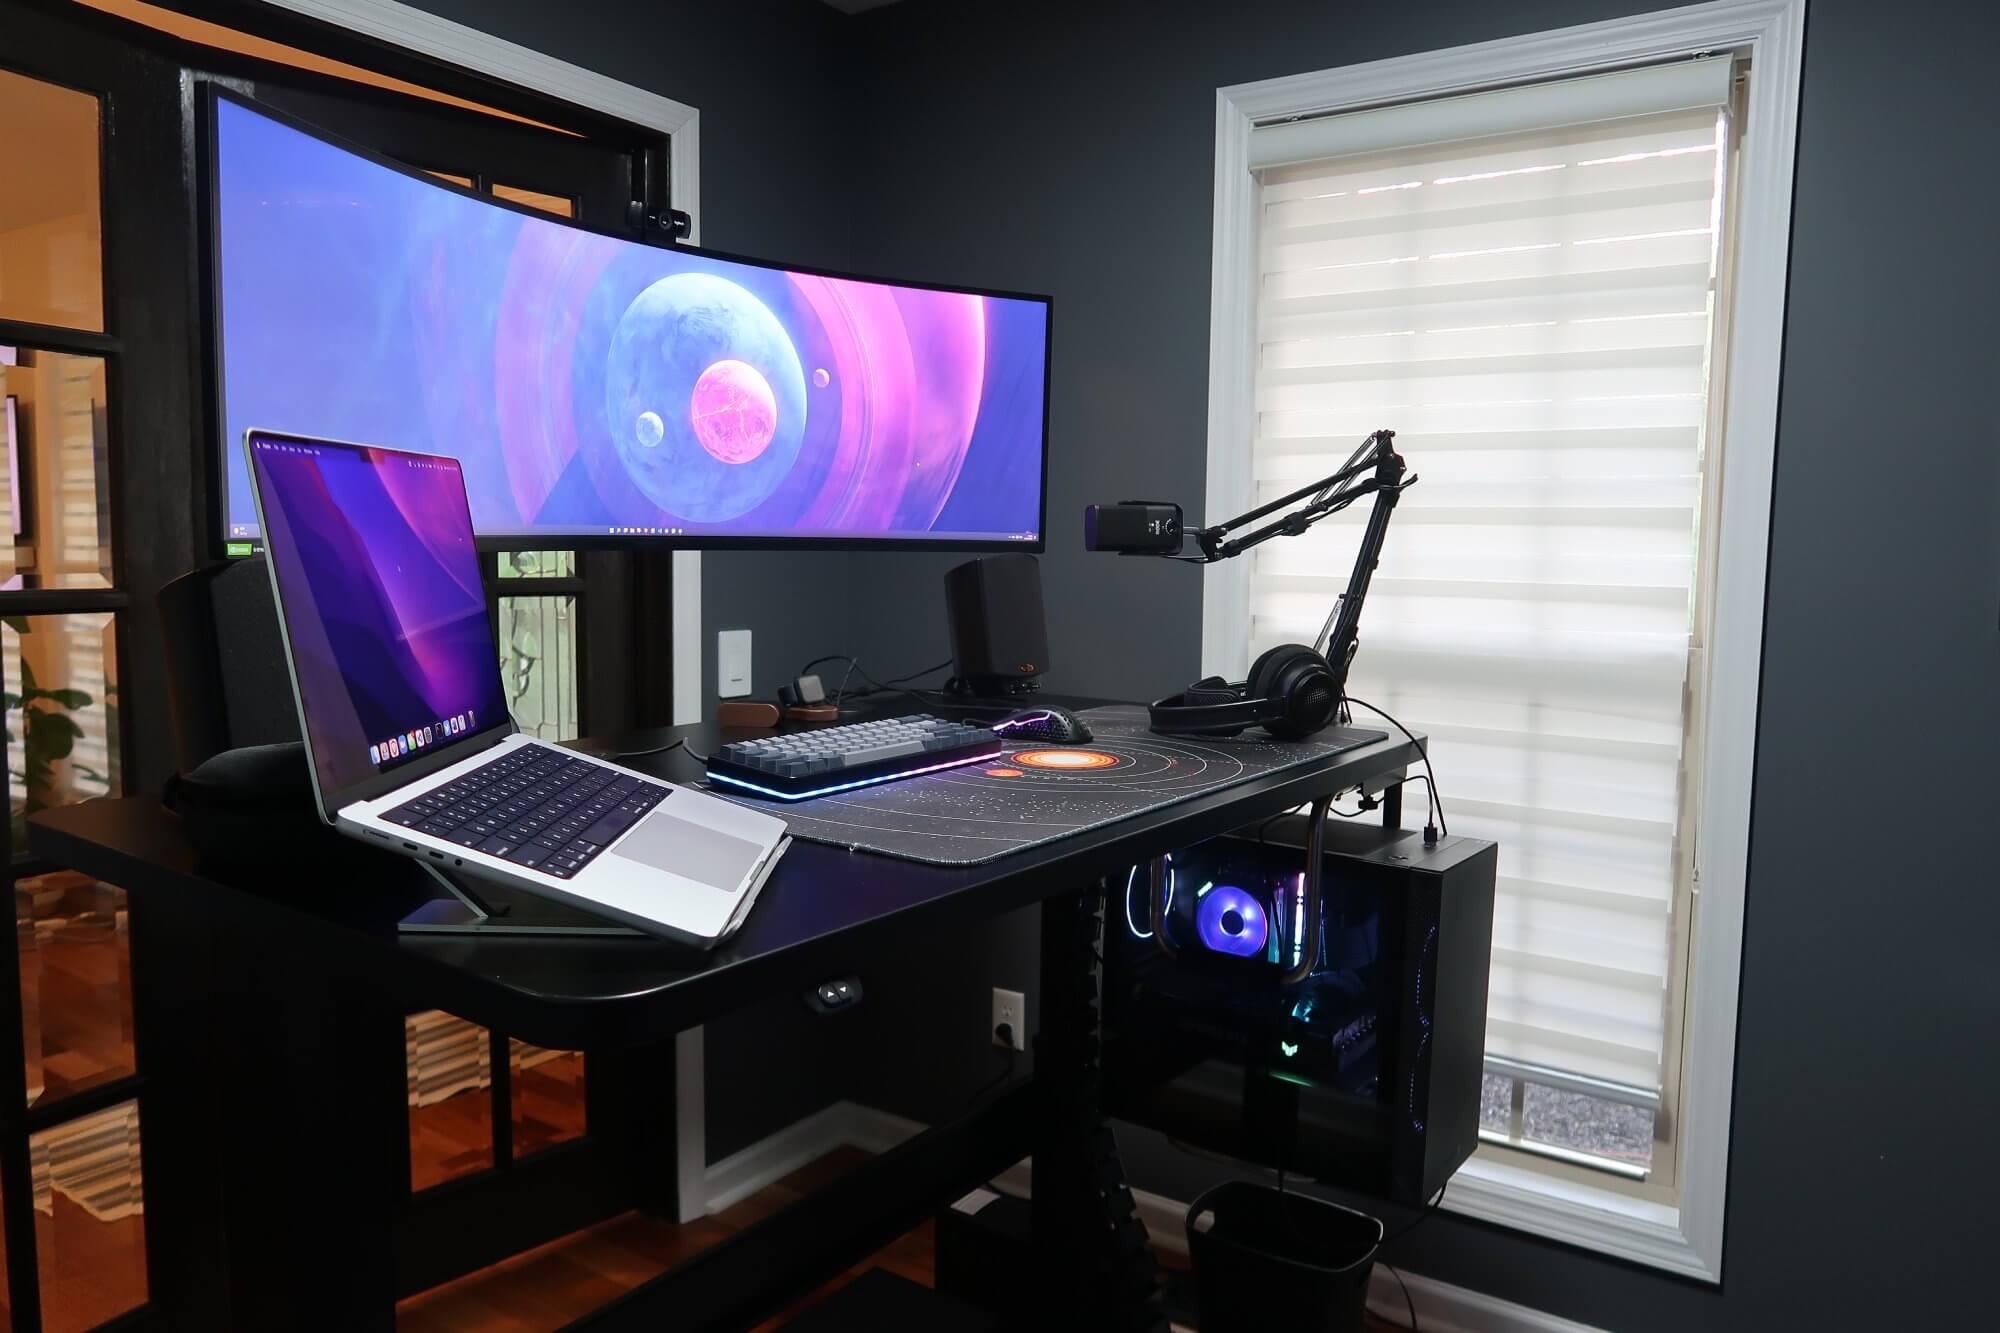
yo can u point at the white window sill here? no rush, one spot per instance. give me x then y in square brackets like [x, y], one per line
[1603, 1220]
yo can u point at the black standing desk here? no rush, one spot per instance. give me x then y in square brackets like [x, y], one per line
[269, 1007]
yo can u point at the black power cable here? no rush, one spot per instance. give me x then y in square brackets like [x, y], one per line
[1408, 1304]
[1436, 804]
[668, 748]
[890, 686]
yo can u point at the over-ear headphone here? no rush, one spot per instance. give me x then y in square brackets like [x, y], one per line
[1291, 691]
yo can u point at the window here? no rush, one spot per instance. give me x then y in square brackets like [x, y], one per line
[1533, 313]
[1533, 260]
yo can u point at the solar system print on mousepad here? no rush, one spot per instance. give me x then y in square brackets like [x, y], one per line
[1039, 792]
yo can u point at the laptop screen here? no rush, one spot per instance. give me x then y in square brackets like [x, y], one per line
[385, 616]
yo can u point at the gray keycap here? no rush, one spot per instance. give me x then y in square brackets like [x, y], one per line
[880, 750]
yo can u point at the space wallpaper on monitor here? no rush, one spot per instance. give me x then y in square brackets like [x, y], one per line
[597, 386]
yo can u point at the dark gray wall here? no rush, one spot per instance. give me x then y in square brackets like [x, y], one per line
[1067, 148]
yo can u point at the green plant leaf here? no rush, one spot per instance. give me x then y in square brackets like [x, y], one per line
[71, 699]
[19, 624]
[28, 686]
[51, 736]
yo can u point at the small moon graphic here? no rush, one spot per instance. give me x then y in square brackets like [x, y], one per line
[821, 379]
[649, 430]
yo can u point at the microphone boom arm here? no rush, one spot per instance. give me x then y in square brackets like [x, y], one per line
[1339, 636]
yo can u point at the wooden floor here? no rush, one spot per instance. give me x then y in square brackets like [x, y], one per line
[77, 1015]
[546, 1288]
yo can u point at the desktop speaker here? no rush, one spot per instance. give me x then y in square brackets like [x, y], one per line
[999, 638]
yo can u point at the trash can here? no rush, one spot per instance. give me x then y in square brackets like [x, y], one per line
[1265, 1260]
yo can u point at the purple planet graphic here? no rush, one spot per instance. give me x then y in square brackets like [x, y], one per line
[733, 411]
[716, 368]
[1229, 920]
[821, 379]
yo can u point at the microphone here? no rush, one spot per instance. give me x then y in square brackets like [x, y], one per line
[1133, 527]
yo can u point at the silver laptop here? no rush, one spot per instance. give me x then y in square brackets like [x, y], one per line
[405, 717]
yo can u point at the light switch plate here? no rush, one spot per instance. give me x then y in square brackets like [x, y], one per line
[732, 663]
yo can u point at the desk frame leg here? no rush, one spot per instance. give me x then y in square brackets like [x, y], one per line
[1091, 1246]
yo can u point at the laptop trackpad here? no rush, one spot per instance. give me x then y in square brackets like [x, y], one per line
[665, 841]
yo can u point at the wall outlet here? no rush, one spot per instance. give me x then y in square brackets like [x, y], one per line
[732, 663]
[1010, 1007]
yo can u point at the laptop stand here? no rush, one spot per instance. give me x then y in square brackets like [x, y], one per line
[462, 911]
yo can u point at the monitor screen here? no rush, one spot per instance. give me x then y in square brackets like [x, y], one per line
[597, 387]
[384, 614]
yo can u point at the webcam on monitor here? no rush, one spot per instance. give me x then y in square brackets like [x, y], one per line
[667, 226]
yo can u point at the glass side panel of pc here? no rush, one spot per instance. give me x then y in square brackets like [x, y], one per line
[597, 387]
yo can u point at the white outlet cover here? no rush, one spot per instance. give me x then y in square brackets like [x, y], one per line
[732, 663]
[1010, 1007]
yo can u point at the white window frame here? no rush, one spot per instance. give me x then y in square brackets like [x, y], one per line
[1686, 1237]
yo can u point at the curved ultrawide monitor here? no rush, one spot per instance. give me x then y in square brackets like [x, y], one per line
[598, 389]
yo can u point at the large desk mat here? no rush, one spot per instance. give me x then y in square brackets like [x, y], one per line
[1039, 791]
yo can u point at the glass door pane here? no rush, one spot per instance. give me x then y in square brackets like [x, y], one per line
[55, 494]
[90, 1227]
[557, 204]
[538, 664]
[76, 983]
[62, 711]
[51, 240]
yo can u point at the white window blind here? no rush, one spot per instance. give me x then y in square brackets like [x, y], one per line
[1531, 312]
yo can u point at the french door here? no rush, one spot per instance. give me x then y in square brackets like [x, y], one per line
[106, 453]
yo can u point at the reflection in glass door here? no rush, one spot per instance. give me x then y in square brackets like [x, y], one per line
[72, 1194]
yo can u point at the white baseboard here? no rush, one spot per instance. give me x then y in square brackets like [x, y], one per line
[1441, 1307]
[769, 1160]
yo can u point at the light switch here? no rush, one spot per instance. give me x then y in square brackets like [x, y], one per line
[732, 663]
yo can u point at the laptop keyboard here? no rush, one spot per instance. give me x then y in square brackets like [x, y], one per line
[535, 806]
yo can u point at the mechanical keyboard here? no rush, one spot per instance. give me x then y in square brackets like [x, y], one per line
[536, 806]
[800, 764]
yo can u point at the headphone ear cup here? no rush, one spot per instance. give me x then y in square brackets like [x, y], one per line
[1260, 671]
[1302, 684]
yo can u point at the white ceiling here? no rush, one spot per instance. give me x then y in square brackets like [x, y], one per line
[856, 6]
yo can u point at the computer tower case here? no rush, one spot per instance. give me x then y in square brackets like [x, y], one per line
[1366, 1075]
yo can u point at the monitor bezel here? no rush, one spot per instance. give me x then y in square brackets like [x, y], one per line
[212, 94]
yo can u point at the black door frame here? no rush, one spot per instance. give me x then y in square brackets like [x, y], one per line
[159, 422]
